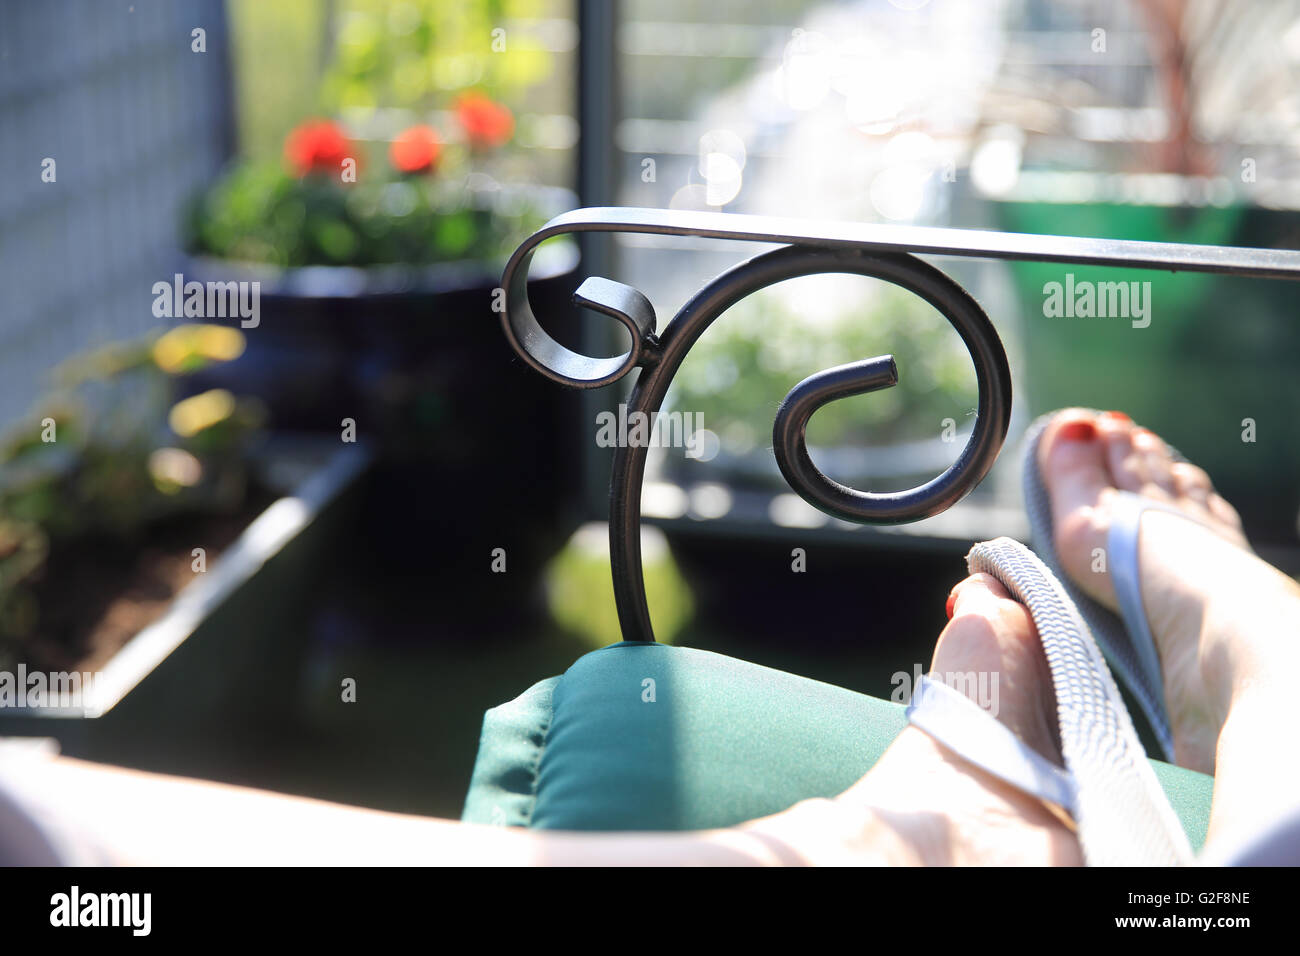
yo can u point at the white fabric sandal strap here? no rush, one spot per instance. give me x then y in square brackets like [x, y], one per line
[962, 726]
[1124, 641]
[1123, 816]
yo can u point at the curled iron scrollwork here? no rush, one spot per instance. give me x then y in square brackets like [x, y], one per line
[806, 248]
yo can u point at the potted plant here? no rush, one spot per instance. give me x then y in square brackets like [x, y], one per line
[378, 257]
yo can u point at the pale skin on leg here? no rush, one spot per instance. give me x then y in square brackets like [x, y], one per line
[1226, 623]
[919, 804]
[1220, 616]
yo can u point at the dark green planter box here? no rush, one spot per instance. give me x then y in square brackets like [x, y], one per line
[224, 659]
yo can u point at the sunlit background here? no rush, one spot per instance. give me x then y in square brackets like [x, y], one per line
[140, 141]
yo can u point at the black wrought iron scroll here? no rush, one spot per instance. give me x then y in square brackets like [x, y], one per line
[808, 248]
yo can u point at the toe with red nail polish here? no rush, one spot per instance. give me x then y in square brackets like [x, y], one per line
[1078, 431]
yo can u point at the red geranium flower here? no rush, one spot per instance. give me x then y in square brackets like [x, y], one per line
[487, 124]
[317, 146]
[415, 150]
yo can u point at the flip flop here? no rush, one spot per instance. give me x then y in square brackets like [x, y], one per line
[1122, 815]
[1125, 639]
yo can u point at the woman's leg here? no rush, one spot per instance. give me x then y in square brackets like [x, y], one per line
[1226, 624]
[920, 804]
[1225, 627]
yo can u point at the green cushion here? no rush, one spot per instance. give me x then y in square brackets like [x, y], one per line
[722, 741]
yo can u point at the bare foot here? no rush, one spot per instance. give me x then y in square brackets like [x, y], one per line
[922, 804]
[1224, 621]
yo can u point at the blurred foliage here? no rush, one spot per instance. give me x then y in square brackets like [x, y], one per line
[411, 55]
[385, 70]
[99, 460]
[296, 57]
[277, 50]
[745, 365]
[261, 213]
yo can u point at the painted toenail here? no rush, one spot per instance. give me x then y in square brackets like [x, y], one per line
[952, 599]
[1078, 431]
[1116, 417]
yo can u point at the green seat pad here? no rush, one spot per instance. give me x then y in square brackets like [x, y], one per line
[639, 736]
